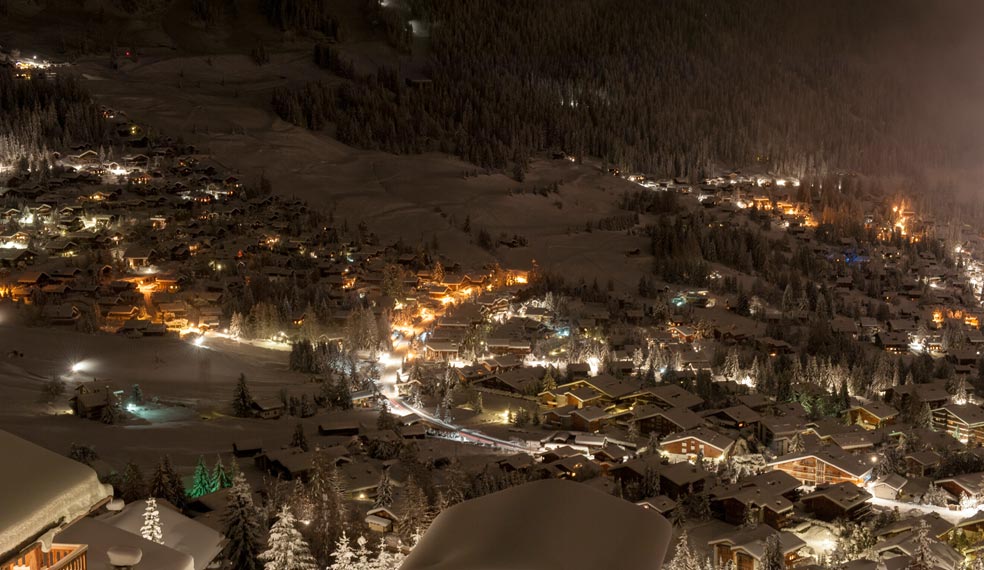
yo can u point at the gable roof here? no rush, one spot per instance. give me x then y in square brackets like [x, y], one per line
[716, 440]
[849, 464]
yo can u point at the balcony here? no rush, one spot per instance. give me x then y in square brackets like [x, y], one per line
[60, 557]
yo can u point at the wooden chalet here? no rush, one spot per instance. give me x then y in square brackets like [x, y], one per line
[872, 415]
[838, 501]
[819, 467]
[745, 548]
[709, 443]
[965, 422]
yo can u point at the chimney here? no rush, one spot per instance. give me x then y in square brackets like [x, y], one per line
[124, 557]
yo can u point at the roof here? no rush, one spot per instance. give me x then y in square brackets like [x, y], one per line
[708, 436]
[844, 495]
[529, 516]
[685, 418]
[101, 536]
[850, 464]
[970, 414]
[673, 396]
[752, 540]
[880, 410]
[181, 533]
[45, 489]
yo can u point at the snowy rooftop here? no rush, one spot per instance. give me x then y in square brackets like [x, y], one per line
[520, 528]
[101, 536]
[40, 489]
[180, 532]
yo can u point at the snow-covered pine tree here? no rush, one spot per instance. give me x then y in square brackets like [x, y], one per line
[152, 528]
[362, 555]
[327, 507]
[220, 477]
[241, 527]
[773, 558]
[286, 548]
[166, 484]
[202, 483]
[387, 560]
[343, 557]
[922, 556]
[384, 491]
[415, 511]
[684, 557]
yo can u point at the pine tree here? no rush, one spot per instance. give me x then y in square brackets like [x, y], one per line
[384, 491]
[152, 528]
[241, 527]
[220, 477]
[386, 560]
[343, 556]
[166, 484]
[732, 365]
[327, 507]
[415, 509]
[299, 440]
[242, 402]
[286, 548]
[684, 557]
[111, 413]
[132, 485]
[362, 561]
[922, 556]
[773, 559]
[203, 483]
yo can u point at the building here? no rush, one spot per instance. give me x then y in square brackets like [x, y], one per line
[745, 548]
[709, 443]
[838, 501]
[965, 422]
[817, 468]
[872, 415]
[43, 495]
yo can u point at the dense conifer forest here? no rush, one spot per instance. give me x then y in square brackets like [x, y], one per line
[673, 87]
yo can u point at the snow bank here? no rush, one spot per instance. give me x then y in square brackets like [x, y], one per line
[181, 533]
[544, 524]
[40, 489]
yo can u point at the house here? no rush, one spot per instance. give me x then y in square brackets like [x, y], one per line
[816, 468]
[183, 534]
[589, 419]
[965, 485]
[682, 478]
[872, 415]
[766, 498]
[89, 401]
[735, 417]
[838, 501]
[745, 548]
[653, 419]
[965, 422]
[60, 314]
[889, 486]
[44, 495]
[137, 257]
[922, 463]
[268, 408]
[671, 396]
[702, 440]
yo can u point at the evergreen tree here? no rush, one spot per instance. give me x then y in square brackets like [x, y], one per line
[152, 528]
[343, 556]
[241, 527]
[327, 507]
[384, 491]
[773, 559]
[111, 413]
[132, 485]
[415, 509]
[242, 402]
[299, 440]
[203, 483]
[684, 557]
[166, 484]
[220, 477]
[922, 556]
[286, 548]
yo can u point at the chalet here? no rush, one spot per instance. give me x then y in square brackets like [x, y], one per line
[268, 409]
[60, 314]
[767, 498]
[894, 342]
[965, 485]
[46, 494]
[872, 415]
[889, 486]
[589, 419]
[519, 381]
[16, 257]
[922, 463]
[735, 417]
[965, 422]
[652, 419]
[778, 431]
[138, 257]
[821, 467]
[679, 478]
[744, 549]
[700, 440]
[89, 402]
[247, 447]
[934, 394]
[661, 504]
[670, 396]
[838, 501]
